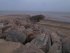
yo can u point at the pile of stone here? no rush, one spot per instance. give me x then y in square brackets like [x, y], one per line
[25, 35]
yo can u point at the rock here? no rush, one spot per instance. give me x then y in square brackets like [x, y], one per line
[62, 34]
[30, 35]
[1, 26]
[9, 47]
[27, 26]
[29, 48]
[36, 18]
[55, 48]
[42, 41]
[13, 47]
[6, 28]
[29, 31]
[15, 36]
[66, 45]
[2, 40]
[21, 29]
[55, 38]
[5, 21]
[56, 43]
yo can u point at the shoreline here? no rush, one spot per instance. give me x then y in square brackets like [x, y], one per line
[54, 16]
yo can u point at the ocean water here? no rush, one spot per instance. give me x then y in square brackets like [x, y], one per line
[57, 16]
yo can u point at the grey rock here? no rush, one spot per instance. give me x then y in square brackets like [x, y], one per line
[42, 41]
[55, 38]
[15, 36]
[55, 48]
[66, 45]
[56, 43]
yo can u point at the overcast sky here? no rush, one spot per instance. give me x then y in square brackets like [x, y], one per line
[35, 5]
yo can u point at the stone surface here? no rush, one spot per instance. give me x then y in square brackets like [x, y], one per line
[29, 48]
[29, 31]
[42, 41]
[15, 36]
[66, 45]
[55, 38]
[55, 48]
[56, 43]
[9, 47]
[1, 26]
[2, 40]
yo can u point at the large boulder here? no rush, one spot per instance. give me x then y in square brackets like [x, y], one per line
[56, 43]
[15, 36]
[55, 48]
[15, 47]
[42, 41]
[9, 47]
[29, 48]
[55, 38]
[2, 40]
[66, 45]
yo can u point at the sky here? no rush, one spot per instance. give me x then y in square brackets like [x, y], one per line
[35, 5]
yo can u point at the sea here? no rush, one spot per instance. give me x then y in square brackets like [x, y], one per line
[56, 16]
